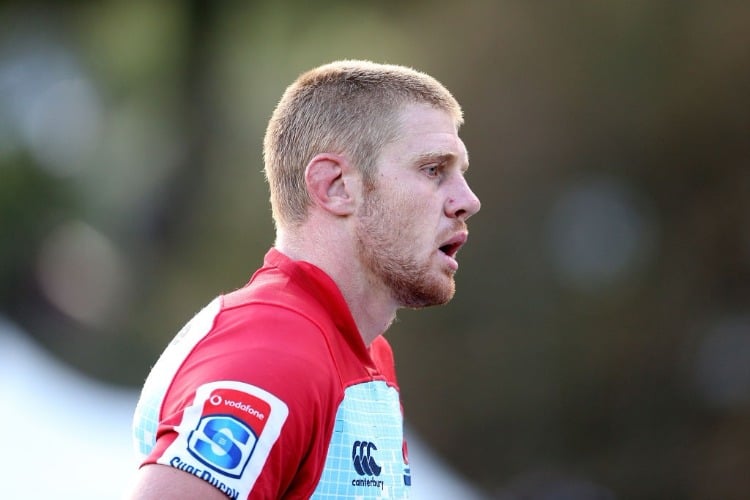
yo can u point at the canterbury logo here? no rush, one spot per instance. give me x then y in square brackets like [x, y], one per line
[364, 462]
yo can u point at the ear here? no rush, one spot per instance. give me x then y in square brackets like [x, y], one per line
[330, 183]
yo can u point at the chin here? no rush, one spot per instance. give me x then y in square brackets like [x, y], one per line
[427, 294]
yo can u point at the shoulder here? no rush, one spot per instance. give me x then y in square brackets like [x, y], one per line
[276, 347]
[262, 371]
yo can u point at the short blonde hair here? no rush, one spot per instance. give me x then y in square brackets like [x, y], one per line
[345, 107]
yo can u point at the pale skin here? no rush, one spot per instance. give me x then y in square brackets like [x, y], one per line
[424, 201]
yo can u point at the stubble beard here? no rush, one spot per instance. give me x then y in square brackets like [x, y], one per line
[384, 250]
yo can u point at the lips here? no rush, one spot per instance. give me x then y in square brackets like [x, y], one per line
[451, 246]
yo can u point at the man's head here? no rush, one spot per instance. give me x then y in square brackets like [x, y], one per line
[410, 226]
[349, 108]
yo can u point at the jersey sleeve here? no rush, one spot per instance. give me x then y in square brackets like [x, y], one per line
[251, 407]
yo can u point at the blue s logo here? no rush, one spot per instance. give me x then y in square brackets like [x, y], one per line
[222, 443]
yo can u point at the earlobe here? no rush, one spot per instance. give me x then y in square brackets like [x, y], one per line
[328, 182]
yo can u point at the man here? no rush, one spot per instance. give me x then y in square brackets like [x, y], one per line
[286, 388]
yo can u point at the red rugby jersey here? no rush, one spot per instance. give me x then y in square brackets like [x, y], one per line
[270, 392]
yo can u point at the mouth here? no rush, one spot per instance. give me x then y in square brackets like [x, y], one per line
[451, 247]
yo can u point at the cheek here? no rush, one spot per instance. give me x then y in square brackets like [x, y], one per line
[422, 209]
[415, 201]
[411, 217]
[418, 220]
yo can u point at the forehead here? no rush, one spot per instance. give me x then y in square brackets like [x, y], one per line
[426, 131]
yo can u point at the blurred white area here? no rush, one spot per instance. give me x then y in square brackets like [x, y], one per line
[68, 437]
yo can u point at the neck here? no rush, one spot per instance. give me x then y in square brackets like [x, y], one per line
[371, 304]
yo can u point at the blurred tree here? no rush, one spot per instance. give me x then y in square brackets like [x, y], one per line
[32, 202]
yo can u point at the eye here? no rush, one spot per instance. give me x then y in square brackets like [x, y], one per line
[432, 171]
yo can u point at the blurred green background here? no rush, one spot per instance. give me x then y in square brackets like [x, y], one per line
[599, 343]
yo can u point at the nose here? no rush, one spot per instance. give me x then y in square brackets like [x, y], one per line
[463, 203]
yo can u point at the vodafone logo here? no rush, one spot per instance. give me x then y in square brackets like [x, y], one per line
[217, 400]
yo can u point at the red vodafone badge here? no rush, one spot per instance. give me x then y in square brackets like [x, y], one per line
[226, 434]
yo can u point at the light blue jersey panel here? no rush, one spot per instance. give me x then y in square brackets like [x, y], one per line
[146, 418]
[365, 458]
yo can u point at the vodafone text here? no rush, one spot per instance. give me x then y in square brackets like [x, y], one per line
[217, 400]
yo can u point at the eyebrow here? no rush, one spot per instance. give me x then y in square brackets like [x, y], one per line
[441, 157]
